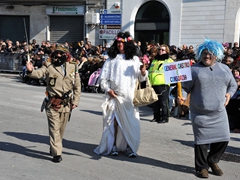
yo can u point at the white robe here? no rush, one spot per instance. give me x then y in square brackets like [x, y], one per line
[120, 75]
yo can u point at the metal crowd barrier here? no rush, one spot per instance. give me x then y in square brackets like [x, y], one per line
[10, 62]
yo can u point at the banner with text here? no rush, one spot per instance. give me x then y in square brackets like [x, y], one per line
[179, 71]
[108, 33]
[65, 10]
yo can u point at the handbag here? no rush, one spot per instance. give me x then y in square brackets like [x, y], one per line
[144, 96]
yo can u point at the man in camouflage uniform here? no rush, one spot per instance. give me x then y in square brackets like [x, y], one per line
[63, 90]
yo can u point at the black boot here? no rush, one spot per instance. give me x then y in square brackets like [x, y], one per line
[163, 121]
[57, 159]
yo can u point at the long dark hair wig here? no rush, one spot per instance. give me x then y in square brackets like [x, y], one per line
[129, 46]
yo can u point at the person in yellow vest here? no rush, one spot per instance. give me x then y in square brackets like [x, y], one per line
[157, 80]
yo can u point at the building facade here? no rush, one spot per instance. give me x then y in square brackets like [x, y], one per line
[173, 22]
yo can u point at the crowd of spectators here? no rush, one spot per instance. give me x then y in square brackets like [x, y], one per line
[91, 57]
[88, 57]
[231, 59]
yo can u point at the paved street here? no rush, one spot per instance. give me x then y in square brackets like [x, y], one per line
[165, 153]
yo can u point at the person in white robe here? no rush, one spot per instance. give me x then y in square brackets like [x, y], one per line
[121, 120]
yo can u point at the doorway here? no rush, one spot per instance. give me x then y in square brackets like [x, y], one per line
[152, 23]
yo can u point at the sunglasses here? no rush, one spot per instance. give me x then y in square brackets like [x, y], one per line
[162, 50]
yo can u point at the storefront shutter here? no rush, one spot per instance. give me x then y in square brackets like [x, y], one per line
[12, 27]
[66, 28]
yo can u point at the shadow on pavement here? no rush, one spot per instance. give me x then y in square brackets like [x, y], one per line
[27, 151]
[231, 154]
[235, 139]
[144, 111]
[93, 112]
[84, 148]
[14, 76]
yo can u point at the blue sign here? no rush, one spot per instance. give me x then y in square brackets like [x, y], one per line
[110, 11]
[110, 16]
[110, 22]
[103, 11]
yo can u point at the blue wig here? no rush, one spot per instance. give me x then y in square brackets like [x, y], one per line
[213, 47]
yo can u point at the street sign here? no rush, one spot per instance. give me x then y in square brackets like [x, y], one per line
[110, 22]
[110, 26]
[108, 33]
[110, 16]
[113, 26]
[110, 19]
[110, 11]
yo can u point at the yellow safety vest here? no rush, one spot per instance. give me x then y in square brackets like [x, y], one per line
[156, 71]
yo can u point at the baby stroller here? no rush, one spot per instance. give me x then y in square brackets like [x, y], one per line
[93, 82]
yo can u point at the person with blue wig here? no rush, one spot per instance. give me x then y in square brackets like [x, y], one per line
[211, 88]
